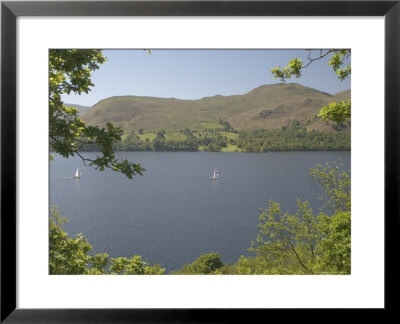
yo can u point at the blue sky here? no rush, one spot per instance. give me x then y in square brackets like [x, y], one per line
[194, 74]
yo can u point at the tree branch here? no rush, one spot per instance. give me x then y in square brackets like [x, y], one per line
[295, 253]
[317, 58]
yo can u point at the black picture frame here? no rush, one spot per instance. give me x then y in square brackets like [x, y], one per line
[10, 10]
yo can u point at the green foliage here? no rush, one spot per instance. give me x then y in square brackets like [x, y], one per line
[337, 112]
[335, 183]
[227, 126]
[70, 72]
[337, 61]
[66, 255]
[253, 265]
[212, 147]
[100, 263]
[205, 264]
[292, 70]
[134, 143]
[288, 242]
[337, 243]
[134, 266]
[293, 137]
[72, 255]
[243, 266]
[161, 133]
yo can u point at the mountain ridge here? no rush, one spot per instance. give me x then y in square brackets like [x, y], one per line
[267, 106]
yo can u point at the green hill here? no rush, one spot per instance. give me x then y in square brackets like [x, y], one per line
[268, 106]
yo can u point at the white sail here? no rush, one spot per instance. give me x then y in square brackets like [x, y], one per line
[215, 176]
[77, 174]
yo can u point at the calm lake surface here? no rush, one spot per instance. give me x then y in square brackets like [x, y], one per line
[174, 212]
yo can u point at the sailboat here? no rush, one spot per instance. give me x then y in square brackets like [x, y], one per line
[215, 176]
[78, 173]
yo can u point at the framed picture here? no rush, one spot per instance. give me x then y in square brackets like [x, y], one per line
[369, 29]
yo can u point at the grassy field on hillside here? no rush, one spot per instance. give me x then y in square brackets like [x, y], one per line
[230, 148]
[149, 136]
[173, 136]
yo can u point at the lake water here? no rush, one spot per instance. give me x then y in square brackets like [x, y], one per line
[174, 212]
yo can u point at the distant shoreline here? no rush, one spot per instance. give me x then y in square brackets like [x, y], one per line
[340, 150]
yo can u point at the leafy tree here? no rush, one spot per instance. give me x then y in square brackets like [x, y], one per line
[70, 72]
[134, 266]
[100, 262]
[288, 242]
[212, 147]
[336, 112]
[227, 126]
[205, 264]
[335, 183]
[158, 143]
[67, 255]
[336, 244]
[161, 133]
